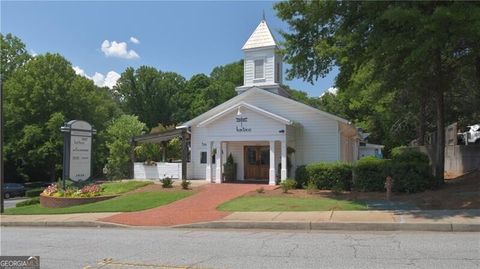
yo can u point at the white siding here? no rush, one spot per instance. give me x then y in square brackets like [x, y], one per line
[158, 171]
[268, 55]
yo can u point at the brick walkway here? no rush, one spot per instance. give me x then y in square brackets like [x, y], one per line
[199, 207]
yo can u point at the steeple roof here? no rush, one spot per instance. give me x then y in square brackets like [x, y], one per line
[261, 37]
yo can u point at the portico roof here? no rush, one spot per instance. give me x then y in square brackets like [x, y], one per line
[241, 105]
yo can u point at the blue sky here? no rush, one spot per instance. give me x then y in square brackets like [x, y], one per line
[184, 37]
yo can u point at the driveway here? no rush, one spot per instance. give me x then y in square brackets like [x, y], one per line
[200, 207]
[12, 202]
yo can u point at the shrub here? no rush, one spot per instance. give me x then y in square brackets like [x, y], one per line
[33, 201]
[409, 177]
[337, 188]
[311, 187]
[406, 154]
[260, 190]
[185, 184]
[369, 174]
[287, 185]
[34, 192]
[325, 175]
[167, 182]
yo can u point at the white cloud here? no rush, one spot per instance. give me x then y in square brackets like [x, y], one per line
[33, 53]
[99, 79]
[118, 49]
[332, 90]
[134, 40]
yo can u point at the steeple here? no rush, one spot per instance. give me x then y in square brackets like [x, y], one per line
[262, 63]
[261, 37]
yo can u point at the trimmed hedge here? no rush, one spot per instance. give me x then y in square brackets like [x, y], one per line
[409, 176]
[325, 175]
[409, 169]
[34, 192]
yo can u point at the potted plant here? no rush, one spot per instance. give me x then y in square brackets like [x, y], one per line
[230, 169]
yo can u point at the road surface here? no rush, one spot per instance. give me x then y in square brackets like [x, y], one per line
[154, 248]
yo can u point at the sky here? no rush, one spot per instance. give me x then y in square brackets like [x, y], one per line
[102, 38]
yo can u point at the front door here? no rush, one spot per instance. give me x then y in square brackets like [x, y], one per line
[257, 162]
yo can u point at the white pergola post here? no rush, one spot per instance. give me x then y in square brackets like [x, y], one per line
[271, 174]
[208, 174]
[218, 162]
[283, 171]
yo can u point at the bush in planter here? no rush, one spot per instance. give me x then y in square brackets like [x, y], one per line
[230, 169]
[325, 175]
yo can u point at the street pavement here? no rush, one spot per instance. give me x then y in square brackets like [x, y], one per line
[12, 202]
[166, 248]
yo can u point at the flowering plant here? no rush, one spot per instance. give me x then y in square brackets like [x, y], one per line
[90, 190]
[50, 190]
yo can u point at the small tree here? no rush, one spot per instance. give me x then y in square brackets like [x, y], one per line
[120, 133]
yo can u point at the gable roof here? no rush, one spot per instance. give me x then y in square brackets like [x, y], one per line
[255, 90]
[250, 107]
[261, 37]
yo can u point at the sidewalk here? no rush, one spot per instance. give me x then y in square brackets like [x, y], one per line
[432, 220]
[417, 220]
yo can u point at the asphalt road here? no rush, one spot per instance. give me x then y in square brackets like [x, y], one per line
[154, 248]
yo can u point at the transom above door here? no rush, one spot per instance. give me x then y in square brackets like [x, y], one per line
[257, 162]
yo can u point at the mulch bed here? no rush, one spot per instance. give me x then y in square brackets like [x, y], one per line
[458, 193]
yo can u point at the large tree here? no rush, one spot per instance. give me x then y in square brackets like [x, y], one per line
[415, 48]
[39, 97]
[13, 54]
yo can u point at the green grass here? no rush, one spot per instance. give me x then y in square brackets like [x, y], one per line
[118, 187]
[258, 203]
[124, 203]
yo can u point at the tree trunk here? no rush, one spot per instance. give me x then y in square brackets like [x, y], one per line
[440, 141]
[422, 120]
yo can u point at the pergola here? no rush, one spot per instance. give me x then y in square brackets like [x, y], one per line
[162, 138]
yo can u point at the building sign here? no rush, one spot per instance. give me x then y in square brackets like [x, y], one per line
[241, 128]
[77, 153]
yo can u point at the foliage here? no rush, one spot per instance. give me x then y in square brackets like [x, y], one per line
[86, 191]
[325, 175]
[230, 168]
[284, 203]
[50, 190]
[148, 153]
[123, 203]
[120, 132]
[287, 185]
[185, 184]
[406, 154]
[34, 192]
[32, 201]
[417, 58]
[408, 176]
[311, 187]
[13, 55]
[167, 182]
[39, 97]
[369, 174]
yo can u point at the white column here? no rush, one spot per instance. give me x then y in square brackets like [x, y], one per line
[208, 174]
[271, 174]
[283, 172]
[218, 162]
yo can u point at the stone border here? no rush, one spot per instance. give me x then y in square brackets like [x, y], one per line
[56, 202]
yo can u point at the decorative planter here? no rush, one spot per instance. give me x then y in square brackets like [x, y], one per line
[230, 172]
[55, 202]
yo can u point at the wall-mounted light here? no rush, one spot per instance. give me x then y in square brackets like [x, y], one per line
[239, 112]
[281, 131]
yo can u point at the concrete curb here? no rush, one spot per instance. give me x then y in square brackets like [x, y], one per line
[336, 226]
[97, 224]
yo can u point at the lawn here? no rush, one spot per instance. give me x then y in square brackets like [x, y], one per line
[124, 203]
[118, 187]
[258, 203]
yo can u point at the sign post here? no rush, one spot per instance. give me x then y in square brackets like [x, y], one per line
[77, 150]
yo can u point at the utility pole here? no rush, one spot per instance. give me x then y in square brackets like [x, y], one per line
[2, 181]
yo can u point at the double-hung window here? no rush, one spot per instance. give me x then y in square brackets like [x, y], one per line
[259, 71]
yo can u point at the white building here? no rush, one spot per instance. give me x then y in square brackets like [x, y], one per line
[262, 127]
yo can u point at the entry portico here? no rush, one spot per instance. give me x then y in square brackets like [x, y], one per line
[250, 134]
